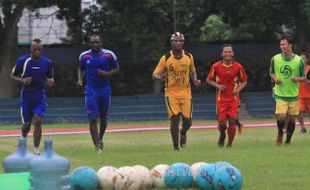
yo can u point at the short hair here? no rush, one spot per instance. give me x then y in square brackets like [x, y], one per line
[226, 45]
[305, 54]
[177, 34]
[37, 40]
[288, 37]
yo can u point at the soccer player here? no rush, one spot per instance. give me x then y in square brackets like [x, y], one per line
[229, 78]
[176, 68]
[286, 71]
[32, 71]
[304, 95]
[99, 65]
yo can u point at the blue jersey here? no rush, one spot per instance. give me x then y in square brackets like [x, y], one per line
[38, 70]
[91, 63]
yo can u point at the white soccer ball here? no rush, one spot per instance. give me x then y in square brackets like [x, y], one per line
[106, 175]
[126, 179]
[195, 168]
[158, 173]
[145, 179]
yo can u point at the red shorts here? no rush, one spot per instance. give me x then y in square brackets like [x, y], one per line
[304, 105]
[225, 109]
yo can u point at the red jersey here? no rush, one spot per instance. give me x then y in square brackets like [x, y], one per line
[304, 88]
[229, 76]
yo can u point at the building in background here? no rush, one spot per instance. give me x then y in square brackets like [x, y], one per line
[42, 23]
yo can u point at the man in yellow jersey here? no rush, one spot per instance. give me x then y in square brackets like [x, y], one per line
[286, 71]
[176, 68]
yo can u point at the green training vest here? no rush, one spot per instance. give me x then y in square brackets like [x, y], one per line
[285, 70]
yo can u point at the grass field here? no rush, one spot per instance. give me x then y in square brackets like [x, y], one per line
[264, 166]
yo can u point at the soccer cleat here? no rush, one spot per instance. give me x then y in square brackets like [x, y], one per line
[303, 130]
[176, 148]
[228, 145]
[221, 141]
[101, 145]
[183, 140]
[279, 140]
[288, 143]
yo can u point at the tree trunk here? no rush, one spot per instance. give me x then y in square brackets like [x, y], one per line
[6, 54]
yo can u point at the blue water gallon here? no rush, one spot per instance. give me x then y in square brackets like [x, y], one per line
[49, 171]
[20, 160]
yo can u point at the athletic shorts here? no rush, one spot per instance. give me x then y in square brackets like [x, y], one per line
[283, 107]
[97, 105]
[179, 105]
[32, 104]
[227, 109]
[304, 105]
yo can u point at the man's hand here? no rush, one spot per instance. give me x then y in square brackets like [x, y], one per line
[294, 79]
[79, 83]
[27, 80]
[278, 81]
[221, 88]
[236, 92]
[197, 82]
[102, 73]
[50, 82]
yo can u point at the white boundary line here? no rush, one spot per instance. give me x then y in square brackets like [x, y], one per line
[142, 129]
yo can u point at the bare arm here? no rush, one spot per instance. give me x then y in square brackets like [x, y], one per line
[241, 86]
[216, 85]
[194, 79]
[24, 81]
[102, 73]
[80, 77]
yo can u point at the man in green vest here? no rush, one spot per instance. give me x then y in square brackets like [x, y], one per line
[286, 71]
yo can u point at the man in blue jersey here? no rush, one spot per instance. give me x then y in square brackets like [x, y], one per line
[33, 71]
[99, 65]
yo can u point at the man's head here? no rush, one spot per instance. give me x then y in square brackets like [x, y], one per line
[305, 57]
[227, 52]
[177, 41]
[95, 42]
[286, 43]
[36, 48]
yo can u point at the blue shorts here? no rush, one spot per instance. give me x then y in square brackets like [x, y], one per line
[97, 105]
[32, 104]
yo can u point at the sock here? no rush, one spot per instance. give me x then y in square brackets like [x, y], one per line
[222, 128]
[187, 123]
[290, 130]
[280, 124]
[174, 130]
[231, 133]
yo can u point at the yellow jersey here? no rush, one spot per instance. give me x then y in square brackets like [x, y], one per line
[178, 71]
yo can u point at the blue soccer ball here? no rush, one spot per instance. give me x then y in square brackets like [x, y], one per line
[84, 178]
[220, 164]
[179, 176]
[205, 177]
[228, 178]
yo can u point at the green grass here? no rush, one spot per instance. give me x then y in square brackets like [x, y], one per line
[262, 163]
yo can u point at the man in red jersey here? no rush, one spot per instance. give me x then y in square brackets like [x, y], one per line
[229, 78]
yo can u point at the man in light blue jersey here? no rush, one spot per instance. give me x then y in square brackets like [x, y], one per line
[32, 71]
[98, 65]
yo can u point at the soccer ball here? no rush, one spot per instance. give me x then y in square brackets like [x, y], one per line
[228, 177]
[196, 167]
[84, 178]
[126, 179]
[220, 164]
[179, 175]
[106, 175]
[157, 174]
[144, 177]
[205, 177]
